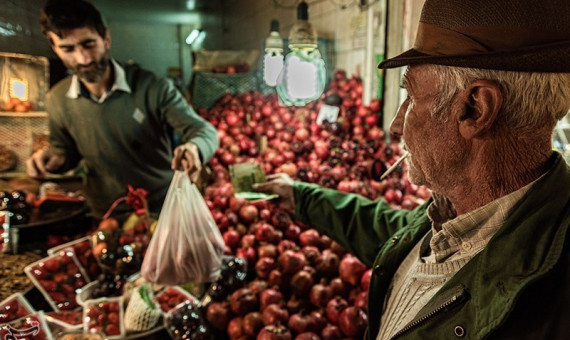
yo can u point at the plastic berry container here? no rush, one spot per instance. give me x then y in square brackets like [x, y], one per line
[104, 315]
[31, 327]
[14, 307]
[4, 232]
[59, 278]
[172, 296]
[86, 293]
[66, 320]
[84, 254]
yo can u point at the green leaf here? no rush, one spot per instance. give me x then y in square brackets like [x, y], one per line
[145, 296]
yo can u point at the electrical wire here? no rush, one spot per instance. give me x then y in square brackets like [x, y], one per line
[292, 4]
[342, 4]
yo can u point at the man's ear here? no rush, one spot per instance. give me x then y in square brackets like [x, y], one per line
[478, 107]
[107, 39]
[50, 40]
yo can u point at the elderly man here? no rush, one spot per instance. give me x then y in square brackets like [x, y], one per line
[488, 255]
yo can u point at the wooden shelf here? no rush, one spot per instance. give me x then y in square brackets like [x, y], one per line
[22, 174]
[31, 114]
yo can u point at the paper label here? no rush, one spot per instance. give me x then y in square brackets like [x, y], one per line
[327, 112]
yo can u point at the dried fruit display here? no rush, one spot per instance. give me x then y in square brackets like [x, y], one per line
[8, 159]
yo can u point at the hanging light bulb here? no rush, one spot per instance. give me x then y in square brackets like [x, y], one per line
[193, 36]
[273, 60]
[303, 77]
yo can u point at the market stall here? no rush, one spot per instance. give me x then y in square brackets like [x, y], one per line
[278, 276]
[269, 276]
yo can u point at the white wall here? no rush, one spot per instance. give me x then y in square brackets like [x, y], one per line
[154, 39]
[402, 21]
[154, 47]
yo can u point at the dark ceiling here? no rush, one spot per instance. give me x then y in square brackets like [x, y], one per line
[162, 11]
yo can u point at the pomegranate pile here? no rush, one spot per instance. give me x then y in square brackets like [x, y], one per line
[300, 283]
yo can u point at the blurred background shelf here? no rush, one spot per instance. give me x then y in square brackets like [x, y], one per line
[31, 114]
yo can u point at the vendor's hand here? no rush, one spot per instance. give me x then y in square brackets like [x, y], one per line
[188, 156]
[282, 185]
[43, 161]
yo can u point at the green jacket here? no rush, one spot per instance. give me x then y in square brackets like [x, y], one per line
[518, 287]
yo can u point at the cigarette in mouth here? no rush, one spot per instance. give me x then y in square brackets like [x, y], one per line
[393, 167]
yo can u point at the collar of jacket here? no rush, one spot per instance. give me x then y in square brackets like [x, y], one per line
[525, 249]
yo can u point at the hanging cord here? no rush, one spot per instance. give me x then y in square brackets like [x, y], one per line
[292, 4]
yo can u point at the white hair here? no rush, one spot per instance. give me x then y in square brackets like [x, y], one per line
[529, 99]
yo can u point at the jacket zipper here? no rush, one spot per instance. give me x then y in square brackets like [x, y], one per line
[443, 307]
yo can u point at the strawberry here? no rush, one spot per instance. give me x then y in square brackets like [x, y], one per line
[81, 247]
[78, 283]
[72, 269]
[60, 278]
[102, 318]
[92, 312]
[113, 318]
[67, 289]
[113, 307]
[39, 273]
[51, 265]
[21, 312]
[57, 296]
[112, 329]
[48, 285]
[173, 301]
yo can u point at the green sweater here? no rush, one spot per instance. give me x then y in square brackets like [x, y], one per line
[127, 139]
[518, 287]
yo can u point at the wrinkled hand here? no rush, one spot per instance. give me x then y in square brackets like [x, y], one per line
[282, 185]
[43, 161]
[188, 156]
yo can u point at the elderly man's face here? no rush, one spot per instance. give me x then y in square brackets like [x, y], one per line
[437, 151]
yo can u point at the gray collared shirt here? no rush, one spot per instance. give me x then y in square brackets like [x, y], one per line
[465, 235]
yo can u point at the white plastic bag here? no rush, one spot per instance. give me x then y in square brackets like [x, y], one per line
[187, 245]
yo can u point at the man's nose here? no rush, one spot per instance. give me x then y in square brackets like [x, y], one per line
[397, 124]
[83, 57]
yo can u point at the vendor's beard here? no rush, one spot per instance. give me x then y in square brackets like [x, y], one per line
[93, 72]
